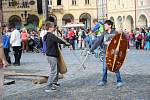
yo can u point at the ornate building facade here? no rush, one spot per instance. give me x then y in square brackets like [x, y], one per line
[20, 12]
[61, 11]
[129, 14]
[75, 11]
[102, 10]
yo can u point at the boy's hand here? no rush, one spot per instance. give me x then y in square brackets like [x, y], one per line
[67, 44]
[107, 43]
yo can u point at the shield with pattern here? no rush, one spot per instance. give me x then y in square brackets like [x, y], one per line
[116, 52]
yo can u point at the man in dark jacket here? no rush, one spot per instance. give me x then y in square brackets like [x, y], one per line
[52, 54]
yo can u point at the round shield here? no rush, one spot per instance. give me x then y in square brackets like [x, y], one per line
[116, 52]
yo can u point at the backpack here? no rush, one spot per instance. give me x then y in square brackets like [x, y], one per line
[147, 38]
[139, 37]
[83, 34]
[6, 41]
[100, 30]
[31, 43]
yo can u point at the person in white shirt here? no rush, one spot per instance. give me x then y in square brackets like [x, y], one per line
[15, 41]
[43, 44]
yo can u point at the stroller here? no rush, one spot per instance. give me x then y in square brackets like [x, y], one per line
[34, 45]
[31, 44]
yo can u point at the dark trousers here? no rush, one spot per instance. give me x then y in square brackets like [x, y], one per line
[6, 52]
[139, 44]
[17, 54]
[72, 44]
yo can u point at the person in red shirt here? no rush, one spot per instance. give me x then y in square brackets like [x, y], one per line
[71, 36]
[24, 38]
[132, 38]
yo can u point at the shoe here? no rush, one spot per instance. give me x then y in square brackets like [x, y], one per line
[48, 89]
[53, 88]
[56, 84]
[101, 83]
[119, 84]
[16, 64]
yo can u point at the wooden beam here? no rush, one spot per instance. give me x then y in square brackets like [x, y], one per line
[40, 78]
[13, 73]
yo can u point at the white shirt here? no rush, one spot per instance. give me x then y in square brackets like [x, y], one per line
[15, 38]
[42, 34]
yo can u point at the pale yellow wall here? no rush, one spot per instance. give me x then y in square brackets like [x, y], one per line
[10, 11]
[75, 10]
[115, 10]
[68, 8]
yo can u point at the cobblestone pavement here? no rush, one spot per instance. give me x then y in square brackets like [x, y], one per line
[81, 84]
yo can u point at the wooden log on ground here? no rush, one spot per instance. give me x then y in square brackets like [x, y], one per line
[13, 73]
[40, 78]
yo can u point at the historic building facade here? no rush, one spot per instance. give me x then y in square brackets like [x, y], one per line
[128, 14]
[74, 11]
[61, 11]
[102, 10]
[20, 12]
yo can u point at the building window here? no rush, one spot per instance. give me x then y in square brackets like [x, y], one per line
[123, 5]
[10, 3]
[73, 2]
[49, 2]
[141, 2]
[25, 4]
[87, 2]
[118, 2]
[58, 2]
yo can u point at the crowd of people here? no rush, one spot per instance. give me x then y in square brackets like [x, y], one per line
[83, 38]
[19, 41]
[140, 39]
[47, 41]
[78, 37]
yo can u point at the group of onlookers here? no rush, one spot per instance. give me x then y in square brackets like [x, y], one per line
[81, 38]
[19, 41]
[140, 38]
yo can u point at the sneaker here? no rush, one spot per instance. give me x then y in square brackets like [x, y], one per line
[16, 64]
[53, 88]
[48, 89]
[119, 84]
[56, 84]
[101, 83]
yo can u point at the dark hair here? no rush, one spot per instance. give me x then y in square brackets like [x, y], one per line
[95, 20]
[109, 22]
[49, 25]
[12, 26]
